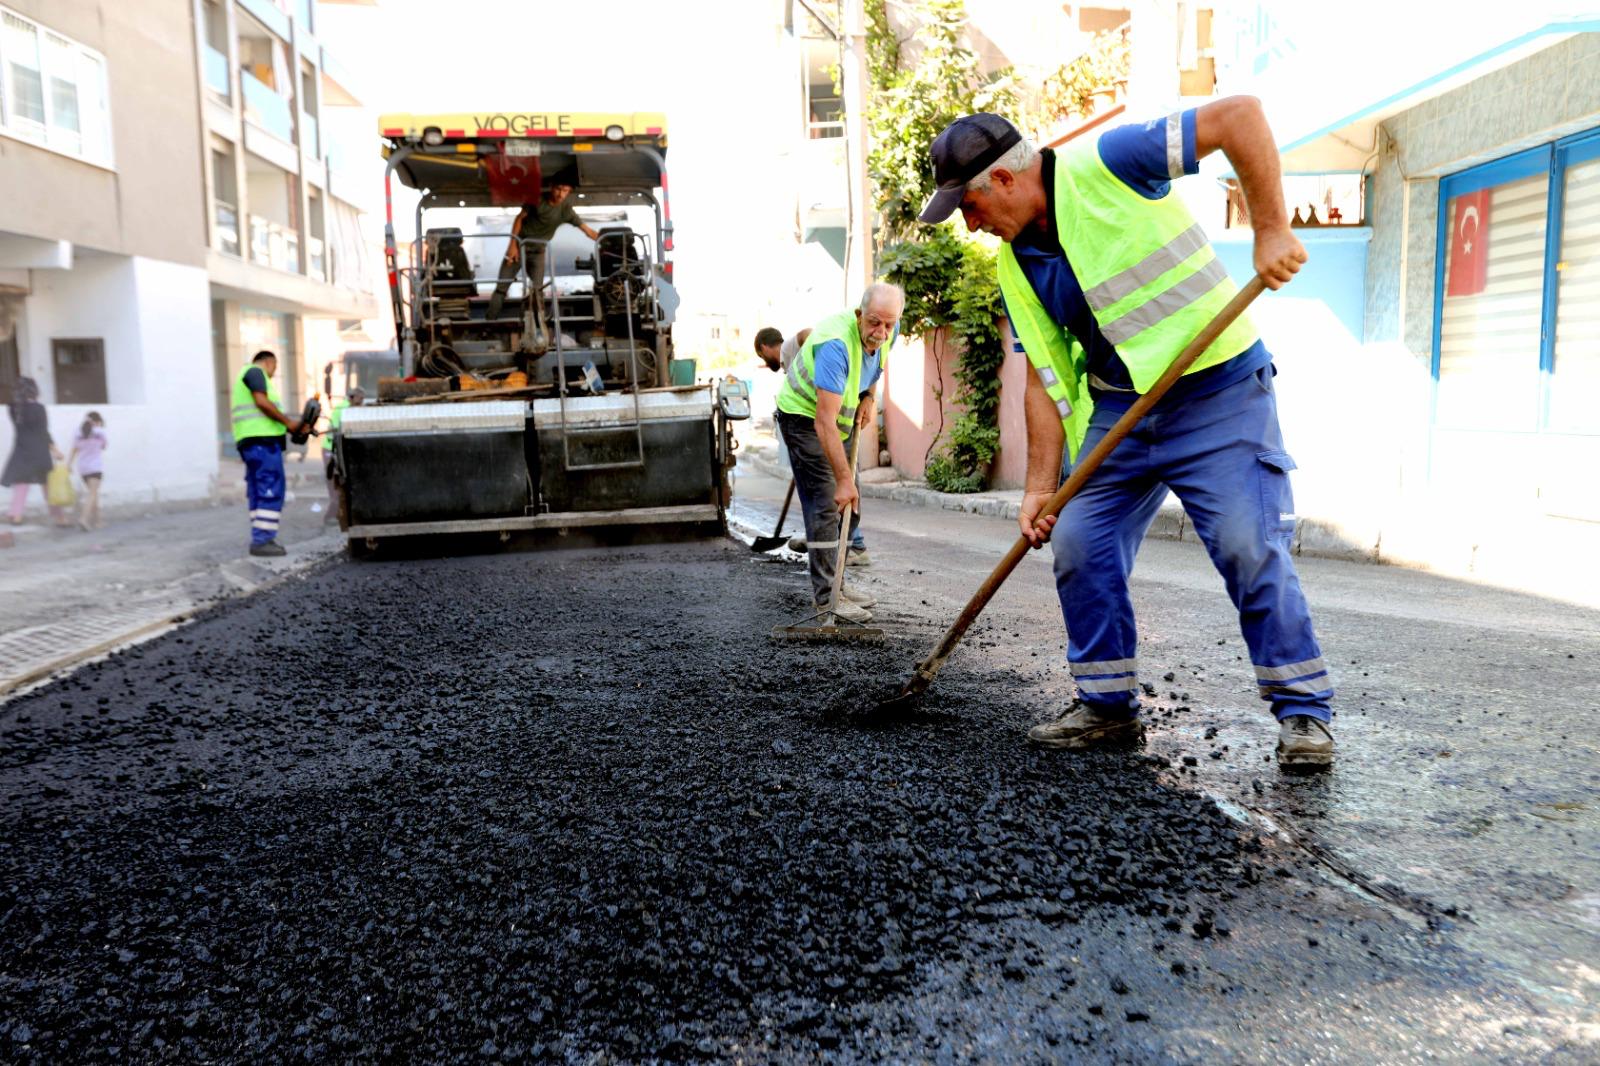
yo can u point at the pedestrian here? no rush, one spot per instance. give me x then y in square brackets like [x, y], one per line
[259, 425]
[825, 399]
[33, 452]
[88, 458]
[330, 466]
[535, 222]
[1106, 277]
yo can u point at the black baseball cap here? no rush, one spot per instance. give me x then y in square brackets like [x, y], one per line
[965, 148]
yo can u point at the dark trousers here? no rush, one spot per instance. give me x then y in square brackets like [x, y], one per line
[508, 274]
[813, 481]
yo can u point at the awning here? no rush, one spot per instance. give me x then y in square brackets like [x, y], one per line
[1325, 91]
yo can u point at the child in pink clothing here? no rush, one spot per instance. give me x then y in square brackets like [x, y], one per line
[88, 452]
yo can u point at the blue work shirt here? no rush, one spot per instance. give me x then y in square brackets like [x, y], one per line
[831, 365]
[1136, 154]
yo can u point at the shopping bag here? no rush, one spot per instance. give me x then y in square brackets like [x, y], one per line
[58, 487]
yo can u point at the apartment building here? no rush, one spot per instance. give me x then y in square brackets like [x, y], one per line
[169, 207]
[285, 255]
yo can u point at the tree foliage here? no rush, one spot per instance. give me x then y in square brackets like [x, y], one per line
[948, 277]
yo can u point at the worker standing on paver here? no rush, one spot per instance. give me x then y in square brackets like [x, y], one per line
[259, 425]
[356, 397]
[537, 221]
[1106, 277]
[825, 398]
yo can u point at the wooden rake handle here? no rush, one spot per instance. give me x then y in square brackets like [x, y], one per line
[929, 667]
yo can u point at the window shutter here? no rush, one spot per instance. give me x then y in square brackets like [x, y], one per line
[1489, 340]
[1575, 387]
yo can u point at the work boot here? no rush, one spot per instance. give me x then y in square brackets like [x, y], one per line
[847, 611]
[859, 597]
[1084, 727]
[797, 544]
[1304, 743]
[269, 548]
[857, 557]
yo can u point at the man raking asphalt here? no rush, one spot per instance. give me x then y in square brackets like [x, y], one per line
[1106, 276]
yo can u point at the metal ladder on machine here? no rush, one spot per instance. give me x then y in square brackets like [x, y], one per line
[567, 432]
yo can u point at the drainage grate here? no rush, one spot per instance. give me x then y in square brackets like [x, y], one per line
[30, 653]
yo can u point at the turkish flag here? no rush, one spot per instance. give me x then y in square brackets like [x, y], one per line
[1469, 245]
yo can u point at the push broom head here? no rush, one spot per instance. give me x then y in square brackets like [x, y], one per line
[825, 628]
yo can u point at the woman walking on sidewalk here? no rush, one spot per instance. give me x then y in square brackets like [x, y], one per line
[31, 452]
[88, 452]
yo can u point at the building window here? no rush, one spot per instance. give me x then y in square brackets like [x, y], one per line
[80, 370]
[10, 345]
[224, 198]
[53, 91]
[1517, 330]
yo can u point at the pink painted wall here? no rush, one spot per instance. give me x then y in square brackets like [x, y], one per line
[1011, 464]
[920, 381]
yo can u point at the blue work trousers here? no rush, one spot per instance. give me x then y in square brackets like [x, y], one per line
[1223, 455]
[264, 489]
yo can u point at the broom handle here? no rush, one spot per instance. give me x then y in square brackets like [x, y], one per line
[1086, 468]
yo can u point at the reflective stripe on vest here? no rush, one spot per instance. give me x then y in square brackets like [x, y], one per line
[1151, 277]
[798, 394]
[248, 421]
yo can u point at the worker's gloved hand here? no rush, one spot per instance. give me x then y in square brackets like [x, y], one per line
[1035, 530]
[1278, 256]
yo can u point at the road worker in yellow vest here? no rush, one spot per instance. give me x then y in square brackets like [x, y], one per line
[259, 425]
[1106, 276]
[825, 397]
[330, 466]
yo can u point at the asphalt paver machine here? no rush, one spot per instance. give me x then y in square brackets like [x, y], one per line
[533, 400]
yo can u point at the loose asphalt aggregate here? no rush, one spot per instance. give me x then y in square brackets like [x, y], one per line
[574, 806]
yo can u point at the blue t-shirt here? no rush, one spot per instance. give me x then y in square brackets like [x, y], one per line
[831, 364]
[1142, 156]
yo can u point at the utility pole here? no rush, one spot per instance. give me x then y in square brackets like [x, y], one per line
[858, 265]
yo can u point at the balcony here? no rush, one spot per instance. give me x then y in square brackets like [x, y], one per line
[264, 107]
[217, 79]
[274, 245]
[308, 136]
[822, 181]
[226, 216]
[315, 264]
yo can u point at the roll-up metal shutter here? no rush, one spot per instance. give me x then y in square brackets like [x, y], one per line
[1575, 385]
[1489, 340]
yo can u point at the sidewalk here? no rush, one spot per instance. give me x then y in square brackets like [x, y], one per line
[66, 595]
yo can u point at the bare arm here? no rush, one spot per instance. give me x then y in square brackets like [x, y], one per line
[587, 232]
[1045, 442]
[827, 424]
[513, 250]
[1238, 126]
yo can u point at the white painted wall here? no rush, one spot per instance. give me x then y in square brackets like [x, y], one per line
[155, 318]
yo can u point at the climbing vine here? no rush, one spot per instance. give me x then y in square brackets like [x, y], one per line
[948, 277]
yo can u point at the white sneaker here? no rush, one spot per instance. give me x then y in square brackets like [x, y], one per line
[859, 597]
[847, 611]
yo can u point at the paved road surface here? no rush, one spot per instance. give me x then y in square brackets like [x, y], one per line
[560, 805]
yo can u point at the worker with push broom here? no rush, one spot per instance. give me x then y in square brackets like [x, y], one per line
[1106, 277]
[825, 397]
